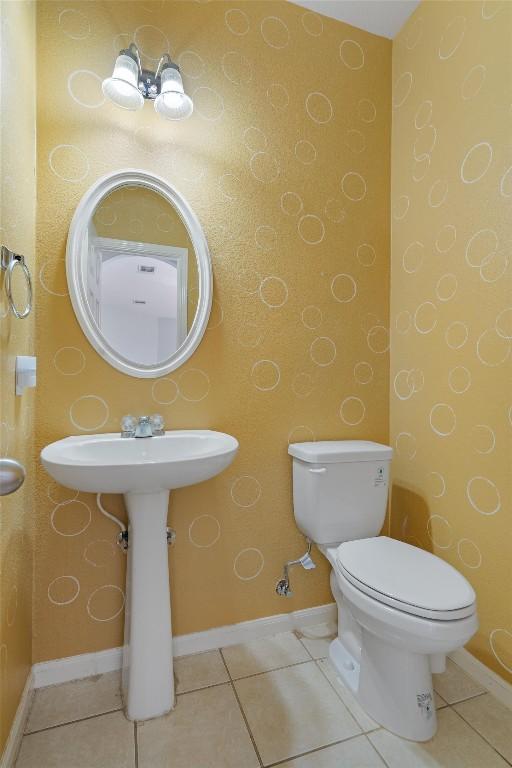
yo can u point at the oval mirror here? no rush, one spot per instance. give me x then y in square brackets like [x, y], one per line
[139, 273]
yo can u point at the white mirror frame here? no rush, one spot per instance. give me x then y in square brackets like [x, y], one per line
[75, 270]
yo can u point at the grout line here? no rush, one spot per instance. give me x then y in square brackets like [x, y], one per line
[245, 677]
[268, 671]
[31, 705]
[72, 722]
[202, 688]
[478, 732]
[315, 750]
[372, 745]
[469, 698]
[225, 665]
[461, 701]
[256, 750]
[444, 703]
[298, 635]
[136, 744]
[354, 718]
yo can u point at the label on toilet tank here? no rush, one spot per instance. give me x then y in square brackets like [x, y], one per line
[425, 704]
[380, 477]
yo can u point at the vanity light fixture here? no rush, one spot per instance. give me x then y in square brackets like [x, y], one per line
[130, 84]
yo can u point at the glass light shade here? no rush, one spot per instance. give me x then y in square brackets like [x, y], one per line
[122, 87]
[172, 102]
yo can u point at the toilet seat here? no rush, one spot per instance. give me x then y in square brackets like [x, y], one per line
[406, 577]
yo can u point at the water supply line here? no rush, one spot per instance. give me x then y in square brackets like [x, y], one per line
[283, 587]
[122, 538]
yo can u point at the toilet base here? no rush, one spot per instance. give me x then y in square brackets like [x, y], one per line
[346, 665]
[392, 685]
[386, 657]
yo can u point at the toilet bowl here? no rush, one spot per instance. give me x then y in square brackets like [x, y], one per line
[385, 652]
[400, 609]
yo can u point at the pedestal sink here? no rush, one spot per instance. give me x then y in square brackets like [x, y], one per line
[144, 470]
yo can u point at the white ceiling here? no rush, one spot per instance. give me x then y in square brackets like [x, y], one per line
[382, 17]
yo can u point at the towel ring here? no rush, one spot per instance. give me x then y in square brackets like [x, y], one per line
[9, 262]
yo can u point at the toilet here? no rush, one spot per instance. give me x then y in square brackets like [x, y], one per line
[400, 609]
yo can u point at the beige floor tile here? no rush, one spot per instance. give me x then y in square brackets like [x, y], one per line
[101, 742]
[293, 710]
[455, 745]
[365, 721]
[263, 655]
[199, 671]
[58, 704]
[491, 719]
[318, 638]
[205, 730]
[355, 753]
[454, 685]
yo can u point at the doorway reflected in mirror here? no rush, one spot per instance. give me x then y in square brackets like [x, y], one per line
[142, 277]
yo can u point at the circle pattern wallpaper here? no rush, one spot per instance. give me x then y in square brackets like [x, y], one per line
[451, 301]
[286, 163]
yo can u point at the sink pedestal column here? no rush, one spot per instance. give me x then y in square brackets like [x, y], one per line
[148, 682]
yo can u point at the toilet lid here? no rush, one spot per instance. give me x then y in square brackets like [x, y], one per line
[406, 577]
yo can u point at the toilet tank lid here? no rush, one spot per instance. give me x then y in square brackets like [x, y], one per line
[336, 451]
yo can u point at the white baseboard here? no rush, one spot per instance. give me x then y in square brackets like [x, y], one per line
[219, 637]
[499, 688]
[12, 746]
[77, 667]
[88, 664]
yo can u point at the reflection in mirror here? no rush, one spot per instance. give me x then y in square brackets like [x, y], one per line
[141, 275]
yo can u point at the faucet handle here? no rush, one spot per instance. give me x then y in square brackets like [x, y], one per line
[128, 424]
[157, 424]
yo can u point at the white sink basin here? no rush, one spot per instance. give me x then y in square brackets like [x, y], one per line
[145, 470]
[112, 464]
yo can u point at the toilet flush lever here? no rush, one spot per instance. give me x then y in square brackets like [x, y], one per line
[318, 470]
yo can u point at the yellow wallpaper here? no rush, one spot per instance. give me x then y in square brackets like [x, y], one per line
[451, 315]
[17, 231]
[286, 163]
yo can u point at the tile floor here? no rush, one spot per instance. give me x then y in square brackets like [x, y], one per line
[270, 702]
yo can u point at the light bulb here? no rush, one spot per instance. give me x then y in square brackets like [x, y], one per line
[172, 101]
[122, 88]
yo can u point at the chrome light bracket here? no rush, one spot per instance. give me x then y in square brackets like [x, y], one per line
[149, 84]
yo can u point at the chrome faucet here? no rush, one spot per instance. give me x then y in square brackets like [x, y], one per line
[144, 426]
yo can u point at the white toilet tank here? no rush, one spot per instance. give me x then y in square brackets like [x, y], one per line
[340, 489]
